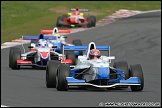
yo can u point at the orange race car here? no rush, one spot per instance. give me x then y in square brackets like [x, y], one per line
[75, 19]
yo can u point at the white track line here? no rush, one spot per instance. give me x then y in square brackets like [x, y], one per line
[4, 106]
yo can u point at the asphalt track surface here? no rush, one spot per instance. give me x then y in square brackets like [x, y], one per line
[136, 39]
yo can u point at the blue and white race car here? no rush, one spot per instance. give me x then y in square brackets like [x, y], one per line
[56, 39]
[94, 70]
[39, 54]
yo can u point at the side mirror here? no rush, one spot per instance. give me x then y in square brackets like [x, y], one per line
[54, 46]
[30, 46]
[64, 36]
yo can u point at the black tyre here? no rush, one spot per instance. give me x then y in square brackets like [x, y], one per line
[77, 42]
[123, 65]
[33, 41]
[16, 54]
[89, 24]
[93, 18]
[136, 71]
[71, 55]
[63, 72]
[10, 55]
[61, 48]
[64, 16]
[59, 18]
[51, 71]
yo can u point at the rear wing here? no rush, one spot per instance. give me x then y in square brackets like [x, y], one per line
[81, 10]
[84, 48]
[51, 31]
[37, 37]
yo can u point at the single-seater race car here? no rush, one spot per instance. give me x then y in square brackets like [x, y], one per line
[76, 19]
[94, 70]
[40, 53]
[60, 40]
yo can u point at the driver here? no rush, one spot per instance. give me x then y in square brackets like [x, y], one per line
[94, 54]
[42, 43]
[56, 34]
[76, 11]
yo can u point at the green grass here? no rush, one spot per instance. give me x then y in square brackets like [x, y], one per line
[29, 17]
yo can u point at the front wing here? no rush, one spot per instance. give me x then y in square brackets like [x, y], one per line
[129, 82]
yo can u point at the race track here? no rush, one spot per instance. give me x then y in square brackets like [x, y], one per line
[136, 39]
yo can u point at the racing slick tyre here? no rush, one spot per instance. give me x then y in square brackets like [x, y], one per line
[33, 41]
[93, 18]
[10, 55]
[51, 71]
[64, 16]
[16, 54]
[136, 71]
[123, 65]
[77, 42]
[71, 55]
[61, 82]
[59, 18]
[61, 48]
[89, 24]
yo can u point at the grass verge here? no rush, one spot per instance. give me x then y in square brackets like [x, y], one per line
[29, 17]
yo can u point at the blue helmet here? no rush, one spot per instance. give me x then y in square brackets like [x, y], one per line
[42, 43]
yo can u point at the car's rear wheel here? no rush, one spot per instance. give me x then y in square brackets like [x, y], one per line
[63, 72]
[33, 41]
[71, 55]
[89, 24]
[59, 18]
[64, 16]
[136, 71]
[93, 18]
[16, 54]
[51, 71]
[122, 65]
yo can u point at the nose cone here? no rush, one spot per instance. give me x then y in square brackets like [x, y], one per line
[44, 55]
[73, 20]
[103, 73]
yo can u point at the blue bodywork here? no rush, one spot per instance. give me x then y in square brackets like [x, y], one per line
[103, 73]
[55, 43]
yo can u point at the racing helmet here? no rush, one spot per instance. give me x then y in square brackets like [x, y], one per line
[56, 34]
[77, 9]
[42, 43]
[94, 53]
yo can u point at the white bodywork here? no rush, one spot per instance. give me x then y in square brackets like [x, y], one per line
[84, 61]
[38, 53]
[103, 61]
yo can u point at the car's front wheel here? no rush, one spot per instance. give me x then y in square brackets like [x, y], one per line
[136, 71]
[61, 82]
[16, 55]
[51, 71]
